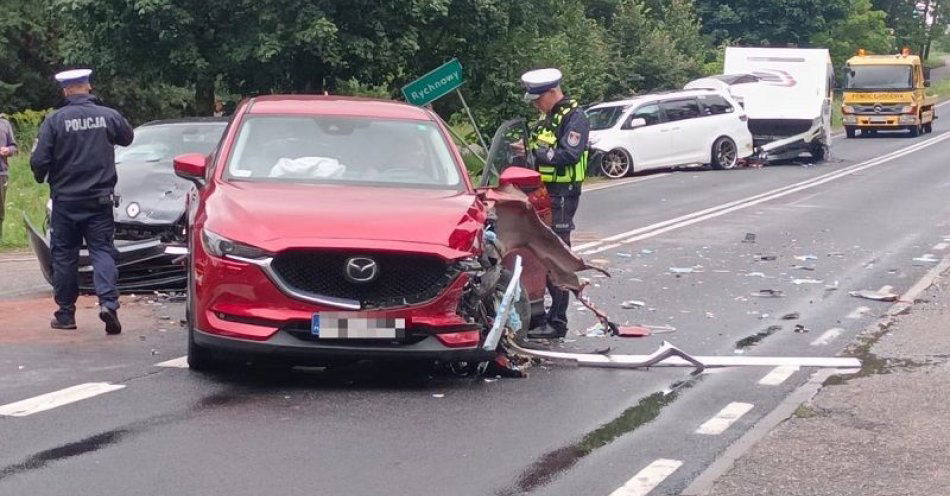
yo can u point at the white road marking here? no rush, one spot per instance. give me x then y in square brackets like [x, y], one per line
[723, 209]
[180, 363]
[647, 479]
[57, 399]
[620, 182]
[941, 246]
[778, 375]
[827, 336]
[858, 313]
[725, 418]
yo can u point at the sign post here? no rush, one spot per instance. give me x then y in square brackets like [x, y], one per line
[437, 83]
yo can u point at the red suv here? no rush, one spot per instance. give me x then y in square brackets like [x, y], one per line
[328, 227]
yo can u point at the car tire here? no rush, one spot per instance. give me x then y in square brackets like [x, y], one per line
[850, 131]
[725, 154]
[616, 164]
[819, 151]
[915, 131]
[929, 127]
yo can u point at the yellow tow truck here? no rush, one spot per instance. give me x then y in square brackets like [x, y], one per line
[887, 92]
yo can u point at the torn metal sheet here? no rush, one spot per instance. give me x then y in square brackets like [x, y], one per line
[676, 359]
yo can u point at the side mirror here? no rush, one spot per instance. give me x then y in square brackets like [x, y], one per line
[191, 166]
[520, 177]
[635, 123]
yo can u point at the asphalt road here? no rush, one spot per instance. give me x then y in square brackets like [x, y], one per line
[865, 215]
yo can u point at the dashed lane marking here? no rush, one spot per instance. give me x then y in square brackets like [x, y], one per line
[725, 418]
[827, 336]
[57, 399]
[858, 313]
[647, 479]
[778, 375]
[178, 363]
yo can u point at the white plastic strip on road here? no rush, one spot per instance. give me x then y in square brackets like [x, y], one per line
[179, 363]
[598, 360]
[941, 246]
[827, 336]
[858, 313]
[57, 399]
[725, 418]
[719, 210]
[778, 375]
[647, 479]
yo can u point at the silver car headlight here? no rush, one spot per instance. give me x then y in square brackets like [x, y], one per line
[222, 247]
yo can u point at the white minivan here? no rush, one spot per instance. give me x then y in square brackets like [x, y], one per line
[669, 129]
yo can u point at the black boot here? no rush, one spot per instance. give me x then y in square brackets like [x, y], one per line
[63, 322]
[547, 331]
[111, 318]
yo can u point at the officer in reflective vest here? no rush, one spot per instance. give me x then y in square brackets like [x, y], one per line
[559, 145]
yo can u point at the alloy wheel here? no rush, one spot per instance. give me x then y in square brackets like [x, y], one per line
[615, 164]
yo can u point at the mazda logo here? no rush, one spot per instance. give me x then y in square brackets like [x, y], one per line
[361, 270]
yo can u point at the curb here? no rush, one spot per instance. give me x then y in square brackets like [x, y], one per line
[703, 483]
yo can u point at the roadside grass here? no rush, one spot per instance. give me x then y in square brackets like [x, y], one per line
[24, 196]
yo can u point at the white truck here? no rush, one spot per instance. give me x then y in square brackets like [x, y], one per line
[787, 94]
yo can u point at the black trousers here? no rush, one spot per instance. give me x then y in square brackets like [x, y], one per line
[563, 209]
[71, 222]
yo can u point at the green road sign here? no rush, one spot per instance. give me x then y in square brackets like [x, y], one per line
[434, 85]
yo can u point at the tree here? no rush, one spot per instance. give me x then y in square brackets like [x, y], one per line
[27, 56]
[773, 22]
[864, 28]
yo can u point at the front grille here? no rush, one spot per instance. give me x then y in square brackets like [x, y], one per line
[402, 279]
[878, 109]
[141, 232]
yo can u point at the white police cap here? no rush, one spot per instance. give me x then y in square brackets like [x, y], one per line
[538, 81]
[74, 76]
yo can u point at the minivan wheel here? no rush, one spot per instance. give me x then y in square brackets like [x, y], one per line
[616, 164]
[724, 154]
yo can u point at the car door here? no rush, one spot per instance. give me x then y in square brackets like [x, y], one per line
[647, 143]
[685, 134]
[719, 118]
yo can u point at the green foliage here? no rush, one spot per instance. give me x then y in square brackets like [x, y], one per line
[352, 87]
[772, 22]
[24, 197]
[26, 125]
[863, 27]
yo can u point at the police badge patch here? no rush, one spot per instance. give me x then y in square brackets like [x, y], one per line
[573, 138]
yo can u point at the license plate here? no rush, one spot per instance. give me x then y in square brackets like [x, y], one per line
[329, 325]
[878, 121]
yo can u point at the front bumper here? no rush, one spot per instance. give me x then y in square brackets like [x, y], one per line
[875, 121]
[143, 265]
[284, 344]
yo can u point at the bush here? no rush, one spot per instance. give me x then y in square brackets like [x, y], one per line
[26, 125]
[24, 197]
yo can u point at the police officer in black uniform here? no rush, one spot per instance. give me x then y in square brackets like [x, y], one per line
[75, 155]
[559, 145]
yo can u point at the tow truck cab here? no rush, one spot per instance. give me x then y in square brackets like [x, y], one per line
[886, 92]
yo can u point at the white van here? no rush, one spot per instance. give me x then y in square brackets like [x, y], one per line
[669, 129]
[787, 94]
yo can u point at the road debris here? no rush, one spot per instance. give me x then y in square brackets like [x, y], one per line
[630, 304]
[624, 255]
[768, 293]
[756, 274]
[755, 338]
[805, 258]
[686, 270]
[807, 281]
[883, 294]
[438, 395]
[749, 238]
[801, 329]
[596, 331]
[803, 267]
[927, 258]
[791, 316]
[646, 251]
[633, 331]
[764, 258]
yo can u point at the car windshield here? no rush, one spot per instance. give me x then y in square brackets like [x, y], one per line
[605, 117]
[880, 77]
[345, 150]
[163, 142]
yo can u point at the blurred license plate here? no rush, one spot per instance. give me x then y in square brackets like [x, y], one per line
[878, 121]
[348, 326]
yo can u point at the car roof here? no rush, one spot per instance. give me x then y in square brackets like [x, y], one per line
[187, 120]
[335, 105]
[662, 95]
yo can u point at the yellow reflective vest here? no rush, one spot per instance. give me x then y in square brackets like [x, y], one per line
[546, 135]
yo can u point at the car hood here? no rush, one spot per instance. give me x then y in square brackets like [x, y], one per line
[281, 216]
[157, 193]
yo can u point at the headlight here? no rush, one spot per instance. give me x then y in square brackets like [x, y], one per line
[908, 109]
[222, 247]
[847, 109]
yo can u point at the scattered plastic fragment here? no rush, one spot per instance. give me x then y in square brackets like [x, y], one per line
[836, 254]
[681, 270]
[438, 395]
[710, 315]
[646, 251]
[791, 316]
[633, 331]
[768, 293]
[807, 281]
[624, 255]
[629, 304]
[755, 274]
[749, 238]
[801, 329]
[595, 331]
[928, 258]
[880, 295]
[804, 258]
[765, 258]
[803, 267]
